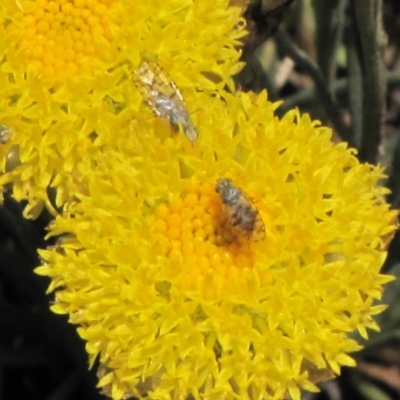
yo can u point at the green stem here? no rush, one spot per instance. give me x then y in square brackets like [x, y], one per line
[368, 15]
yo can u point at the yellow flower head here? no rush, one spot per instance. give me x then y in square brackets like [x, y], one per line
[180, 292]
[65, 76]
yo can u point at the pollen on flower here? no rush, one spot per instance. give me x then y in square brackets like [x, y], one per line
[195, 228]
[60, 35]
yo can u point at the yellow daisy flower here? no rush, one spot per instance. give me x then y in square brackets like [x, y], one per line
[178, 296]
[65, 76]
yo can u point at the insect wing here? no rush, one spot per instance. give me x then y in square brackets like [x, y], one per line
[163, 97]
[5, 134]
[160, 92]
[240, 211]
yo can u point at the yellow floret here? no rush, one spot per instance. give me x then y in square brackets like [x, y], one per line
[197, 230]
[60, 36]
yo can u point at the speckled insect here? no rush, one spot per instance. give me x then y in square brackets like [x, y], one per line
[240, 211]
[163, 97]
[5, 134]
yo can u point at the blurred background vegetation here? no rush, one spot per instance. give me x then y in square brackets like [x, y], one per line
[338, 60]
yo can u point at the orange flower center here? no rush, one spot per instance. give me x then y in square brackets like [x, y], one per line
[62, 34]
[195, 229]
